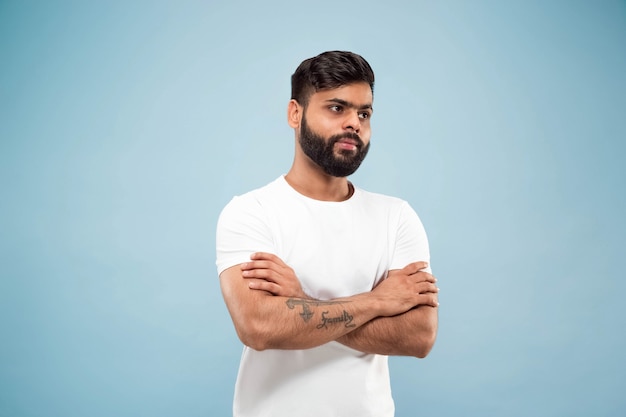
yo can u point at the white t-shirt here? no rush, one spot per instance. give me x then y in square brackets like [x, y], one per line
[337, 249]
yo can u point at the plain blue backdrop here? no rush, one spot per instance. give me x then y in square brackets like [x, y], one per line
[127, 125]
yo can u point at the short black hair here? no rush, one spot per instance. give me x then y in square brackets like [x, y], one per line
[332, 69]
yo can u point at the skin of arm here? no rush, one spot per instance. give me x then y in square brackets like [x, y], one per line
[264, 320]
[410, 332]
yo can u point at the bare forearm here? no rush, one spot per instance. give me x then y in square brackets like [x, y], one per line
[296, 323]
[410, 334]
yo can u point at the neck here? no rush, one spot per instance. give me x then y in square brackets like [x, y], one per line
[319, 185]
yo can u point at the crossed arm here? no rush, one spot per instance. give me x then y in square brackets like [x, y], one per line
[270, 310]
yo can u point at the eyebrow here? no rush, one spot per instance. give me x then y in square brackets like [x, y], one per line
[349, 104]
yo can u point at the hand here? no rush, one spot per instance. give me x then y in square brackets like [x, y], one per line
[267, 272]
[406, 288]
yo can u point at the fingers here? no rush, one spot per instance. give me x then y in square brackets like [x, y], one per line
[428, 299]
[260, 256]
[426, 287]
[416, 276]
[415, 267]
[417, 289]
[268, 272]
[262, 265]
[411, 269]
[263, 285]
[423, 277]
[248, 266]
[259, 269]
[428, 292]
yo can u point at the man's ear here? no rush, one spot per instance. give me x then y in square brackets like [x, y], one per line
[294, 114]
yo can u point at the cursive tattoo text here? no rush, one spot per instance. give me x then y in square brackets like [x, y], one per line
[307, 313]
[345, 318]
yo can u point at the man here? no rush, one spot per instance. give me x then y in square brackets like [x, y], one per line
[322, 279]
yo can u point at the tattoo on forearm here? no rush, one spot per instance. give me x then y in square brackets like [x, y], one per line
[307, 313]
[345, 317]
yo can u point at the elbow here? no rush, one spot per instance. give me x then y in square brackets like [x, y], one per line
[424, 347]
[252, 335]
[252, 341]
[424, 342]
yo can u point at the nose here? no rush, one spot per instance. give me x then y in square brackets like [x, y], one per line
[352, 122]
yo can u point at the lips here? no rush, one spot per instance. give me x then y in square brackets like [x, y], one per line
[348, 141]
[347, 144]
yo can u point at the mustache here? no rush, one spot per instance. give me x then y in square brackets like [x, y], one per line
[354, 136]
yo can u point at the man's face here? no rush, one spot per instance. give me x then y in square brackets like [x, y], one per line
[335, 128]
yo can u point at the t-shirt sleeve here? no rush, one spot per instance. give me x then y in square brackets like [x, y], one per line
[411, 240]
[242, 229]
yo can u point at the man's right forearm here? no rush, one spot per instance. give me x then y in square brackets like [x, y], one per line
[296, 323]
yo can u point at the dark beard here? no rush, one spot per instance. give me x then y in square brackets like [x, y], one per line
[323, 154]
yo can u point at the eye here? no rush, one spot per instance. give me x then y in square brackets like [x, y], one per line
[364, 115]
[335, 108]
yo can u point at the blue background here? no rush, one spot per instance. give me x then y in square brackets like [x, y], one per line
[126, 127]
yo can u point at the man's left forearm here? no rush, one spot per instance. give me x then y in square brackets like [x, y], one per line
[410, 334]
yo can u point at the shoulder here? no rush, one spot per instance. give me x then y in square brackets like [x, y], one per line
[381, 200]
[395, 209]
[254, 198]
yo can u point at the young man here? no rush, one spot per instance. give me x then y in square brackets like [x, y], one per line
[322, 279]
